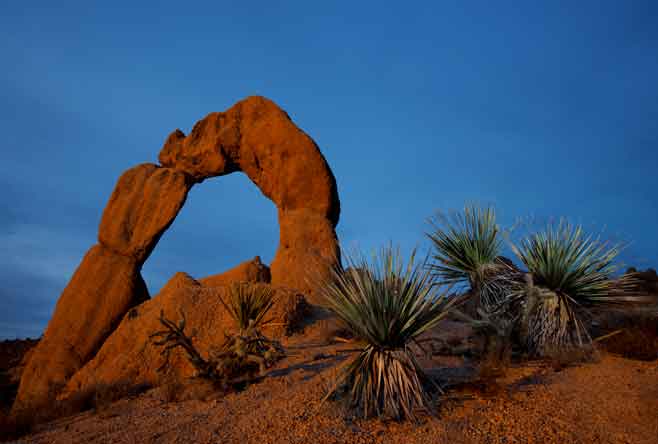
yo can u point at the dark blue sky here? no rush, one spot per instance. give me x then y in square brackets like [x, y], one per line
[543, 110]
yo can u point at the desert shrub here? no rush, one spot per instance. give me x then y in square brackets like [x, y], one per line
[243, 355]
[248, 303]
[569, 273]
[385, 305]
[466, 252]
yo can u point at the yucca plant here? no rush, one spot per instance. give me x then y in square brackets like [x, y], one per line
[385, 304]
[243, 355]
[466, 252]
[570, 273]
[248, 304]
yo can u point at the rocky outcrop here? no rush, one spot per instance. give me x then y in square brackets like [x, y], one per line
[144, 203]
[249, 271]
[257, 137]
[254, 136]
[103, 288]
[129, 355]
[107, 283]
[647, 280]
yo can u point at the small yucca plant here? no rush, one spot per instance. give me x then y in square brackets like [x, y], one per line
[385, 304]
[569, 273]
[243, 355]
[466, 251]
[248, 304]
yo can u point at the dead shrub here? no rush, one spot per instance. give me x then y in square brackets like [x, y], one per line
[241, 359]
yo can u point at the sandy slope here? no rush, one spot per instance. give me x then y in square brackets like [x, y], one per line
[612, 401]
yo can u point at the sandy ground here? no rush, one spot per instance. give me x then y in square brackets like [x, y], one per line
[614, 400]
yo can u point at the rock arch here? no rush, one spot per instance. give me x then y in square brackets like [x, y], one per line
[254, 136]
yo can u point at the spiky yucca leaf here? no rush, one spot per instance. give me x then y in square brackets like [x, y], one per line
[569, 273]
[466, 250]
[385, 304]
[248, 304]
[564, 260]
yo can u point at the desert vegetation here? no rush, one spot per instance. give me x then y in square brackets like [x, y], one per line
[561, 303]
[569, 273]
[467, 248]
[242, 355]
[386, 304]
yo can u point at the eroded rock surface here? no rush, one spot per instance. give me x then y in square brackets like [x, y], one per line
[257, 137]
[104, 287]
[254, 136]
[128, 355]
[144, 203]
[249, 271]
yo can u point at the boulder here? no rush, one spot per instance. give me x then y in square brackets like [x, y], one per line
[145, 201]
[249, 271]
[104, 287]
[129, 355]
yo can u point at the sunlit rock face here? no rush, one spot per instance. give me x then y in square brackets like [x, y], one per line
[254, 136]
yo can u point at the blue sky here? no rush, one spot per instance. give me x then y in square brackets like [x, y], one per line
[543, 109]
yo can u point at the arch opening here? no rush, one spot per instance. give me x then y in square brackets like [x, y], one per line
[254, 136]
[225, 221]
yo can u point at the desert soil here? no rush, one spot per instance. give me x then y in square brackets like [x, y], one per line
[612, 400]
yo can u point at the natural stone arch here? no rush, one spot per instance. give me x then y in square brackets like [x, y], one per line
[257, 137]
[254, 136]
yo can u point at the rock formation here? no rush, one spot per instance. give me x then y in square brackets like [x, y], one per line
[257, 137]
[249, 271]
[128, 355]
[254, 136]
[647, 281]
[144, 203]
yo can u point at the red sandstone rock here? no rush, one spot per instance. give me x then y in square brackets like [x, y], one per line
[307, 248]
[103, 288]
[250, 271]
[144, 203]
[254, 136]
[257, 137]
[129, 356]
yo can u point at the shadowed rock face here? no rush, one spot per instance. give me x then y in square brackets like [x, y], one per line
[254, 136]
